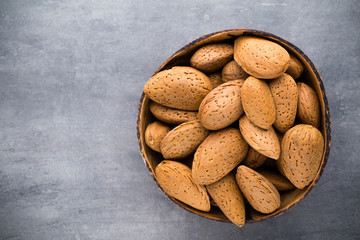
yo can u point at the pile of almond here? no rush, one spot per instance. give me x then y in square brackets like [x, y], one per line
[248, 127]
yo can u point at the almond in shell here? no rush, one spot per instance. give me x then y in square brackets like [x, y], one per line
[254, 159]
[279, 181]
[259, 191]
[222, 106]
[232, 71]
[154, 134]
[215, 79]
[261, 58]
[228, 198]
[172, 115]
[176, 181]
[183, 140]
[212, 57]
[308, 110]
[220, 153]
[264, 141]
[295, 68]
[301, 152]
[179, 87]
[285, 95]
[258, 102]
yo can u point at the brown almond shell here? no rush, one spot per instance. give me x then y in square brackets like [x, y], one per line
[183, 140]
[302, 149]
[258, 102]
[308, 110]
[172, 115]
[279, 181]
[232, 71]
[179, 87]
[228, 198]
[259, 191]
[264, 141]
[212, 57]
[254, 159]
[295, 68]
[216, 79]
[220, 153]
[260, 57]
[176, 181]
[155, 133]
[285, 95]
[222, 106]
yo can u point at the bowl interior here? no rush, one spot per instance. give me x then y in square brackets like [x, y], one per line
[182, 58]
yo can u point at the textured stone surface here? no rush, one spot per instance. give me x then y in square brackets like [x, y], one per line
[71, 74]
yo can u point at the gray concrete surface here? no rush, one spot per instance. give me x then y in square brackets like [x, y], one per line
[71, 74]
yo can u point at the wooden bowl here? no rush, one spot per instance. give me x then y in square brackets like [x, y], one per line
[310, 76]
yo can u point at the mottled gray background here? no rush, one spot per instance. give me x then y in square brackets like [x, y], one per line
[71, 74]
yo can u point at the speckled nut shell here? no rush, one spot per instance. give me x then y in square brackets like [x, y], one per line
[172, 115]
[254, 159]
[259, 191]
[183, 140]
[232, 71]
[308, 109]
[258, 102]
[220, 153]
[279, 181]
[285, 95]
[215, 79]
[264, 141]
[295, 68]
[261, 58]
[301, 152]
[179, 87]
[228, 198]
[176, 181]
[154, 134]
[222, 106]
[212, 57]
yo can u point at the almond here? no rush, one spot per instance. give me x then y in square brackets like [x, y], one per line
[176, 181]
[232, 71]
[171, 115]
[179, 87]
[261, 58]
[154, 134]
[308, 105]
[220, 153]
[259, 191]
[285, 94]
[301, 152]
[222, 106]
[212, 57]
[258, 102]
[278, 180]
[215, 79]
[183, 140]
[229, 199]
[254, 159]
[295, 68]
[264, 141]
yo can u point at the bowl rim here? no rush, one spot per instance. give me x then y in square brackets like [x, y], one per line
[327, 126]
